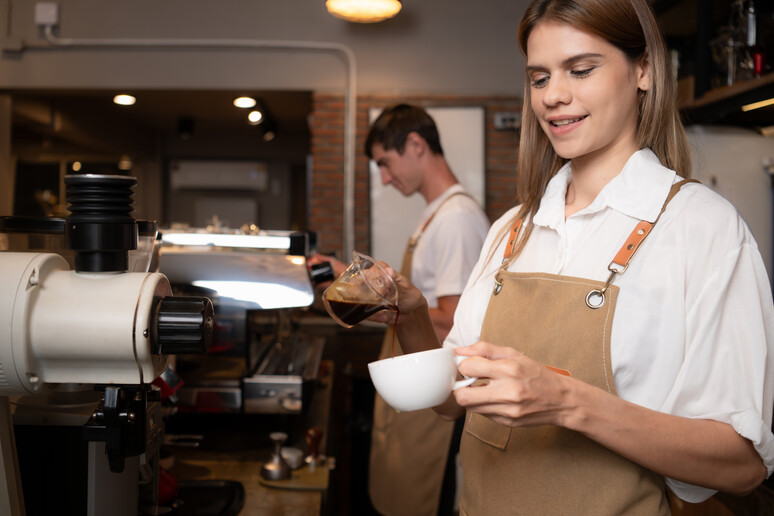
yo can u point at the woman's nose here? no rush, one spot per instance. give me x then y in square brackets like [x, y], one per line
[557, 92]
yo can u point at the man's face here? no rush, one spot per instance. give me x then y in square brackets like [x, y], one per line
[398, 170]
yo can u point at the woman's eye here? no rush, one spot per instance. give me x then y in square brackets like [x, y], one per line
[582, 73]
[539, 82]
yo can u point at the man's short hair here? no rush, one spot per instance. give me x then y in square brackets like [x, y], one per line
[395, 123]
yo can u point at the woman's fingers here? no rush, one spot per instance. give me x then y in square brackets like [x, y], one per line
[519, 390]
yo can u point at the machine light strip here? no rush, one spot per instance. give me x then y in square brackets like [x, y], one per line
[756, 105]
[246, 241]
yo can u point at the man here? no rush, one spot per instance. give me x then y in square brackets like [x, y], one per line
[409, 451]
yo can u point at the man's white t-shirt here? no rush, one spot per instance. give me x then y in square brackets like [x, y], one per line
[449, 247]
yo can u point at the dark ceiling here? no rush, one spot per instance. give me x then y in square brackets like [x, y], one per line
[88, 122]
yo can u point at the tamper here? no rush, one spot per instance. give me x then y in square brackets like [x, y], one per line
[276, 468]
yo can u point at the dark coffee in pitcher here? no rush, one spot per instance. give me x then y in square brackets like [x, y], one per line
[352, 313]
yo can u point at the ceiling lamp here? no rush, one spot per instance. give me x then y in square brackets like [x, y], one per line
[363, 11]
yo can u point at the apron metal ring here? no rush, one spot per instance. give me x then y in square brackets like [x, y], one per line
[595, 299]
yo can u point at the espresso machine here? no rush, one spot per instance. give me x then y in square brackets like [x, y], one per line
[85, 330]
[259, 283]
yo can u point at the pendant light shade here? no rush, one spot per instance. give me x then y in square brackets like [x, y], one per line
[363, 11]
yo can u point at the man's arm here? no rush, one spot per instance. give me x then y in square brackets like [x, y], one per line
[443, 316]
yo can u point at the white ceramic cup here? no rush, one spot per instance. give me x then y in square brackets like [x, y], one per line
[418, 380]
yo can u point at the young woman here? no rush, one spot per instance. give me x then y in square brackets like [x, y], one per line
[645, 295]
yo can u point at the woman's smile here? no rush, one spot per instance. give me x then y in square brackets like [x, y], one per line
[564, 124]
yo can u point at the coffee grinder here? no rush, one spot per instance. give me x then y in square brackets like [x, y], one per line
[80, 345]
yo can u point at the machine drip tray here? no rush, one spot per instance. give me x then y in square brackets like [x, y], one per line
[209, 498]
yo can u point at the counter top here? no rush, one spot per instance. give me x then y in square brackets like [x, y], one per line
[245, 467]
[235, 447]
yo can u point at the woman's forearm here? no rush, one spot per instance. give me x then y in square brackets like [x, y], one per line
[697, 451]
[415, 330]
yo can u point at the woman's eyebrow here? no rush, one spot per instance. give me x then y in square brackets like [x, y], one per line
[566, 63]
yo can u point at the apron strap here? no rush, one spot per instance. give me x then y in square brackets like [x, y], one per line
[596, 297]
[511, 245]
[641, 231]
[413, 241]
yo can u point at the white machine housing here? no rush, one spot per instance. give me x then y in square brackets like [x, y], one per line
[61, 326]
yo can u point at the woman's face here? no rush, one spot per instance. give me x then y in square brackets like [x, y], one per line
[584, 91]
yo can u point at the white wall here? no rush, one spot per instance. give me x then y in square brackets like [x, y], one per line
[730, 160]
[432, 46]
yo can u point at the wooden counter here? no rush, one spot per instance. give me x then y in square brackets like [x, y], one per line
[242, 446]
[245, 467]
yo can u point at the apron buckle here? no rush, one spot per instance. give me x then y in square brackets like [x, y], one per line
[596, 298]
[498, 282]
[498, 286]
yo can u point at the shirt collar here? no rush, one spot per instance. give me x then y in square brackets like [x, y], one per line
[430, 208]
[639, 191]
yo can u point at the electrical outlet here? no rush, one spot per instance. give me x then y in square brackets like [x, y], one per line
[47, 13]
[507, 121]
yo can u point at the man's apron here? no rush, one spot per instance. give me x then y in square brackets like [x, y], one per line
[547, 469]
[408, 449]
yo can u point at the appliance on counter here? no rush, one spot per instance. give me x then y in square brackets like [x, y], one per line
[84, 331]
[259, 283]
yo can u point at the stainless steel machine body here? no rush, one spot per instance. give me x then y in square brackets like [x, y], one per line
[257, 363]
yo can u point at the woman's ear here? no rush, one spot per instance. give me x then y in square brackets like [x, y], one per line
[642, 69]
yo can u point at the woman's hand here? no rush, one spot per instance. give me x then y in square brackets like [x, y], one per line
[523, 392]
[519, 391]
[410, 299]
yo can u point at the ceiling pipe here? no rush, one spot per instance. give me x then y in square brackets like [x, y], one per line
[350, 93]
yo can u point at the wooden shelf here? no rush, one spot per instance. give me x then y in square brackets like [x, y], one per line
[723, 105]
[728, 92]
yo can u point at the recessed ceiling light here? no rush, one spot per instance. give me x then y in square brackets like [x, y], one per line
[255, 117]
[244, 102]
[124, 100]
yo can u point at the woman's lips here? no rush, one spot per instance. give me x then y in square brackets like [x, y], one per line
[564, 125]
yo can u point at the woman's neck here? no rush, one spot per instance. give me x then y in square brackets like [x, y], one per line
[589, 176]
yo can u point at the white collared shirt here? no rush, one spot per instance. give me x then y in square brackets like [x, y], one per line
[693, 331]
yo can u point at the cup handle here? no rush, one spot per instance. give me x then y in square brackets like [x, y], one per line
[468, 379]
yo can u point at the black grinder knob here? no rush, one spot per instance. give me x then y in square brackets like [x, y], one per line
[182, 325]
[100, 228]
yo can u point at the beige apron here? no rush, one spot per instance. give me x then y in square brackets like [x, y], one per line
[549, 470]
[408, 449]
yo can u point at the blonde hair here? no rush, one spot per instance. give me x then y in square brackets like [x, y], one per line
[631, 26]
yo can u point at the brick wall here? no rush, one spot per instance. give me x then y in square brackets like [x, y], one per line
[325, 195]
